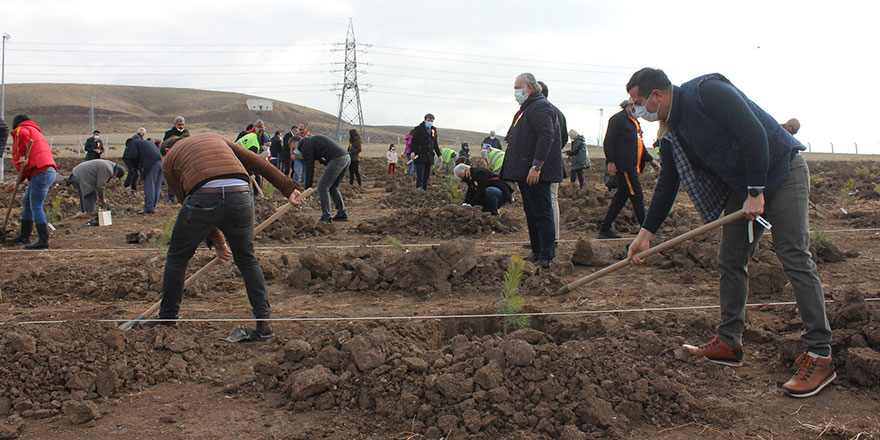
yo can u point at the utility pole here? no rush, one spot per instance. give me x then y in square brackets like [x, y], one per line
[3, 81]
[91, 114]
[350, 110]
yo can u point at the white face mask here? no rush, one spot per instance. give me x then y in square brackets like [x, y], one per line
[520, 95]
[641, 111]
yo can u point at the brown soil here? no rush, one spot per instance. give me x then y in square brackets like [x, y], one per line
[602, 375]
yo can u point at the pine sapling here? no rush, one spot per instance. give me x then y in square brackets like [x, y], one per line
[510, 302]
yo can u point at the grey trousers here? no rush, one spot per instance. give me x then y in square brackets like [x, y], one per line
[328, 185]
[787, 212]
[554, 201]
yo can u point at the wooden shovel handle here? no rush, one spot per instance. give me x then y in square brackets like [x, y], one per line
[730, 218]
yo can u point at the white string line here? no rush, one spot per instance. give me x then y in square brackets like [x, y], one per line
[422, 317]
[350, 246]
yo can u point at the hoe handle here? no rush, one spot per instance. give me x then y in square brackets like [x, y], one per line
[654, 250]
[17, 184]
[189, 281]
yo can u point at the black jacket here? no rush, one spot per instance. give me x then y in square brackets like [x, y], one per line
[578, 154]
[534, 139]
[275, 147]
[494, 143]
[174, 132]
[622, 143]
[354, 149]
[285, 145]
[465, 152]
[94, 148]
[320, 148]
[424, 144]
[141, 154]
[482, 178]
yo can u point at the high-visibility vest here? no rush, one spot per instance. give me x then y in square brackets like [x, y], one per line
[250, 142]
[446, 154]
[496, 159]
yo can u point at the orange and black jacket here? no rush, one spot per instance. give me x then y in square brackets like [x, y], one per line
[623, 144]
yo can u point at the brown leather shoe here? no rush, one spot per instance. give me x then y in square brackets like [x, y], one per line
[717, 351]
[264, 328]
[813, 374]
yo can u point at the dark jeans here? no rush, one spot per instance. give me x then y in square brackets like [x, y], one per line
[423, 174]
[579, 174]
[233, 213]
[153, 186]
[538, 207]
[131, 175]
[628, 187]
[352, 172]
[328, 185]
[274, 162]
[492, 200]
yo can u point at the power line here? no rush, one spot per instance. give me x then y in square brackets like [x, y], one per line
[532, 66]
[32, 43]
[250, 51]
[499, 57]
[171, 74]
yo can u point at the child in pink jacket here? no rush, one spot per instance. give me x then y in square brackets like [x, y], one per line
[391, 155]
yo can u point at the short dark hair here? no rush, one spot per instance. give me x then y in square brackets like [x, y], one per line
[294, 138]
[170, 143]
[544, 89]
[19, 119]
[429, 116]
[464, 144]
[118, 171]
[277, 133]
[249, 127]
[648, 79]
[96, 131]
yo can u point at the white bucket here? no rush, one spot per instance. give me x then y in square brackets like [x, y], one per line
[104, 218]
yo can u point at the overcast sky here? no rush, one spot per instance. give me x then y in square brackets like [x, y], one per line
[458, 59]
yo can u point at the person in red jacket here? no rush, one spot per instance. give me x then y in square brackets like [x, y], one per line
[39, 170]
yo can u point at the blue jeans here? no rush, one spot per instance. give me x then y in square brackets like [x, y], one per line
[233, 213]
[299, 172]
[153, 186]
[492, 200]
[328, 185]
[423, 174]
[410, 168]
[35, 196]
[538, 206]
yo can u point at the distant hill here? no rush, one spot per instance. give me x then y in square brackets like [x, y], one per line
[62, 111]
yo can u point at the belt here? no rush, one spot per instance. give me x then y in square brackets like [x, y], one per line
[224, 190]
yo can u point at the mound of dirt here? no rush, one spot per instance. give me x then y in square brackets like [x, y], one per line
[49, 370]
[488, 386]
[438, 270]
[405, 195]
[448, 221]
[294, 226]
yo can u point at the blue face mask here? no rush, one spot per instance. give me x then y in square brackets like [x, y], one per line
[428, 124]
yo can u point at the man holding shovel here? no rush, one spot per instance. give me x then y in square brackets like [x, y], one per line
[730, 154]
[209, 173]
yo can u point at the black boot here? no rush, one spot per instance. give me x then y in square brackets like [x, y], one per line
[43, 240]
[25, 235]
[264, 328]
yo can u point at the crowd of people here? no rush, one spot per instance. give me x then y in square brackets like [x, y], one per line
[727, 153]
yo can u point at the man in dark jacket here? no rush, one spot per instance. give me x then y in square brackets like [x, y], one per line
[275, 150]
[625, 157]
[209, 173]
[492, 141]
[94, 146]
[146, 159]
[534, 160]
[424, 146]
[284, 157]
[177, 130]
[485, 188]
[730, 154]
[131, 175]
[335, 160]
